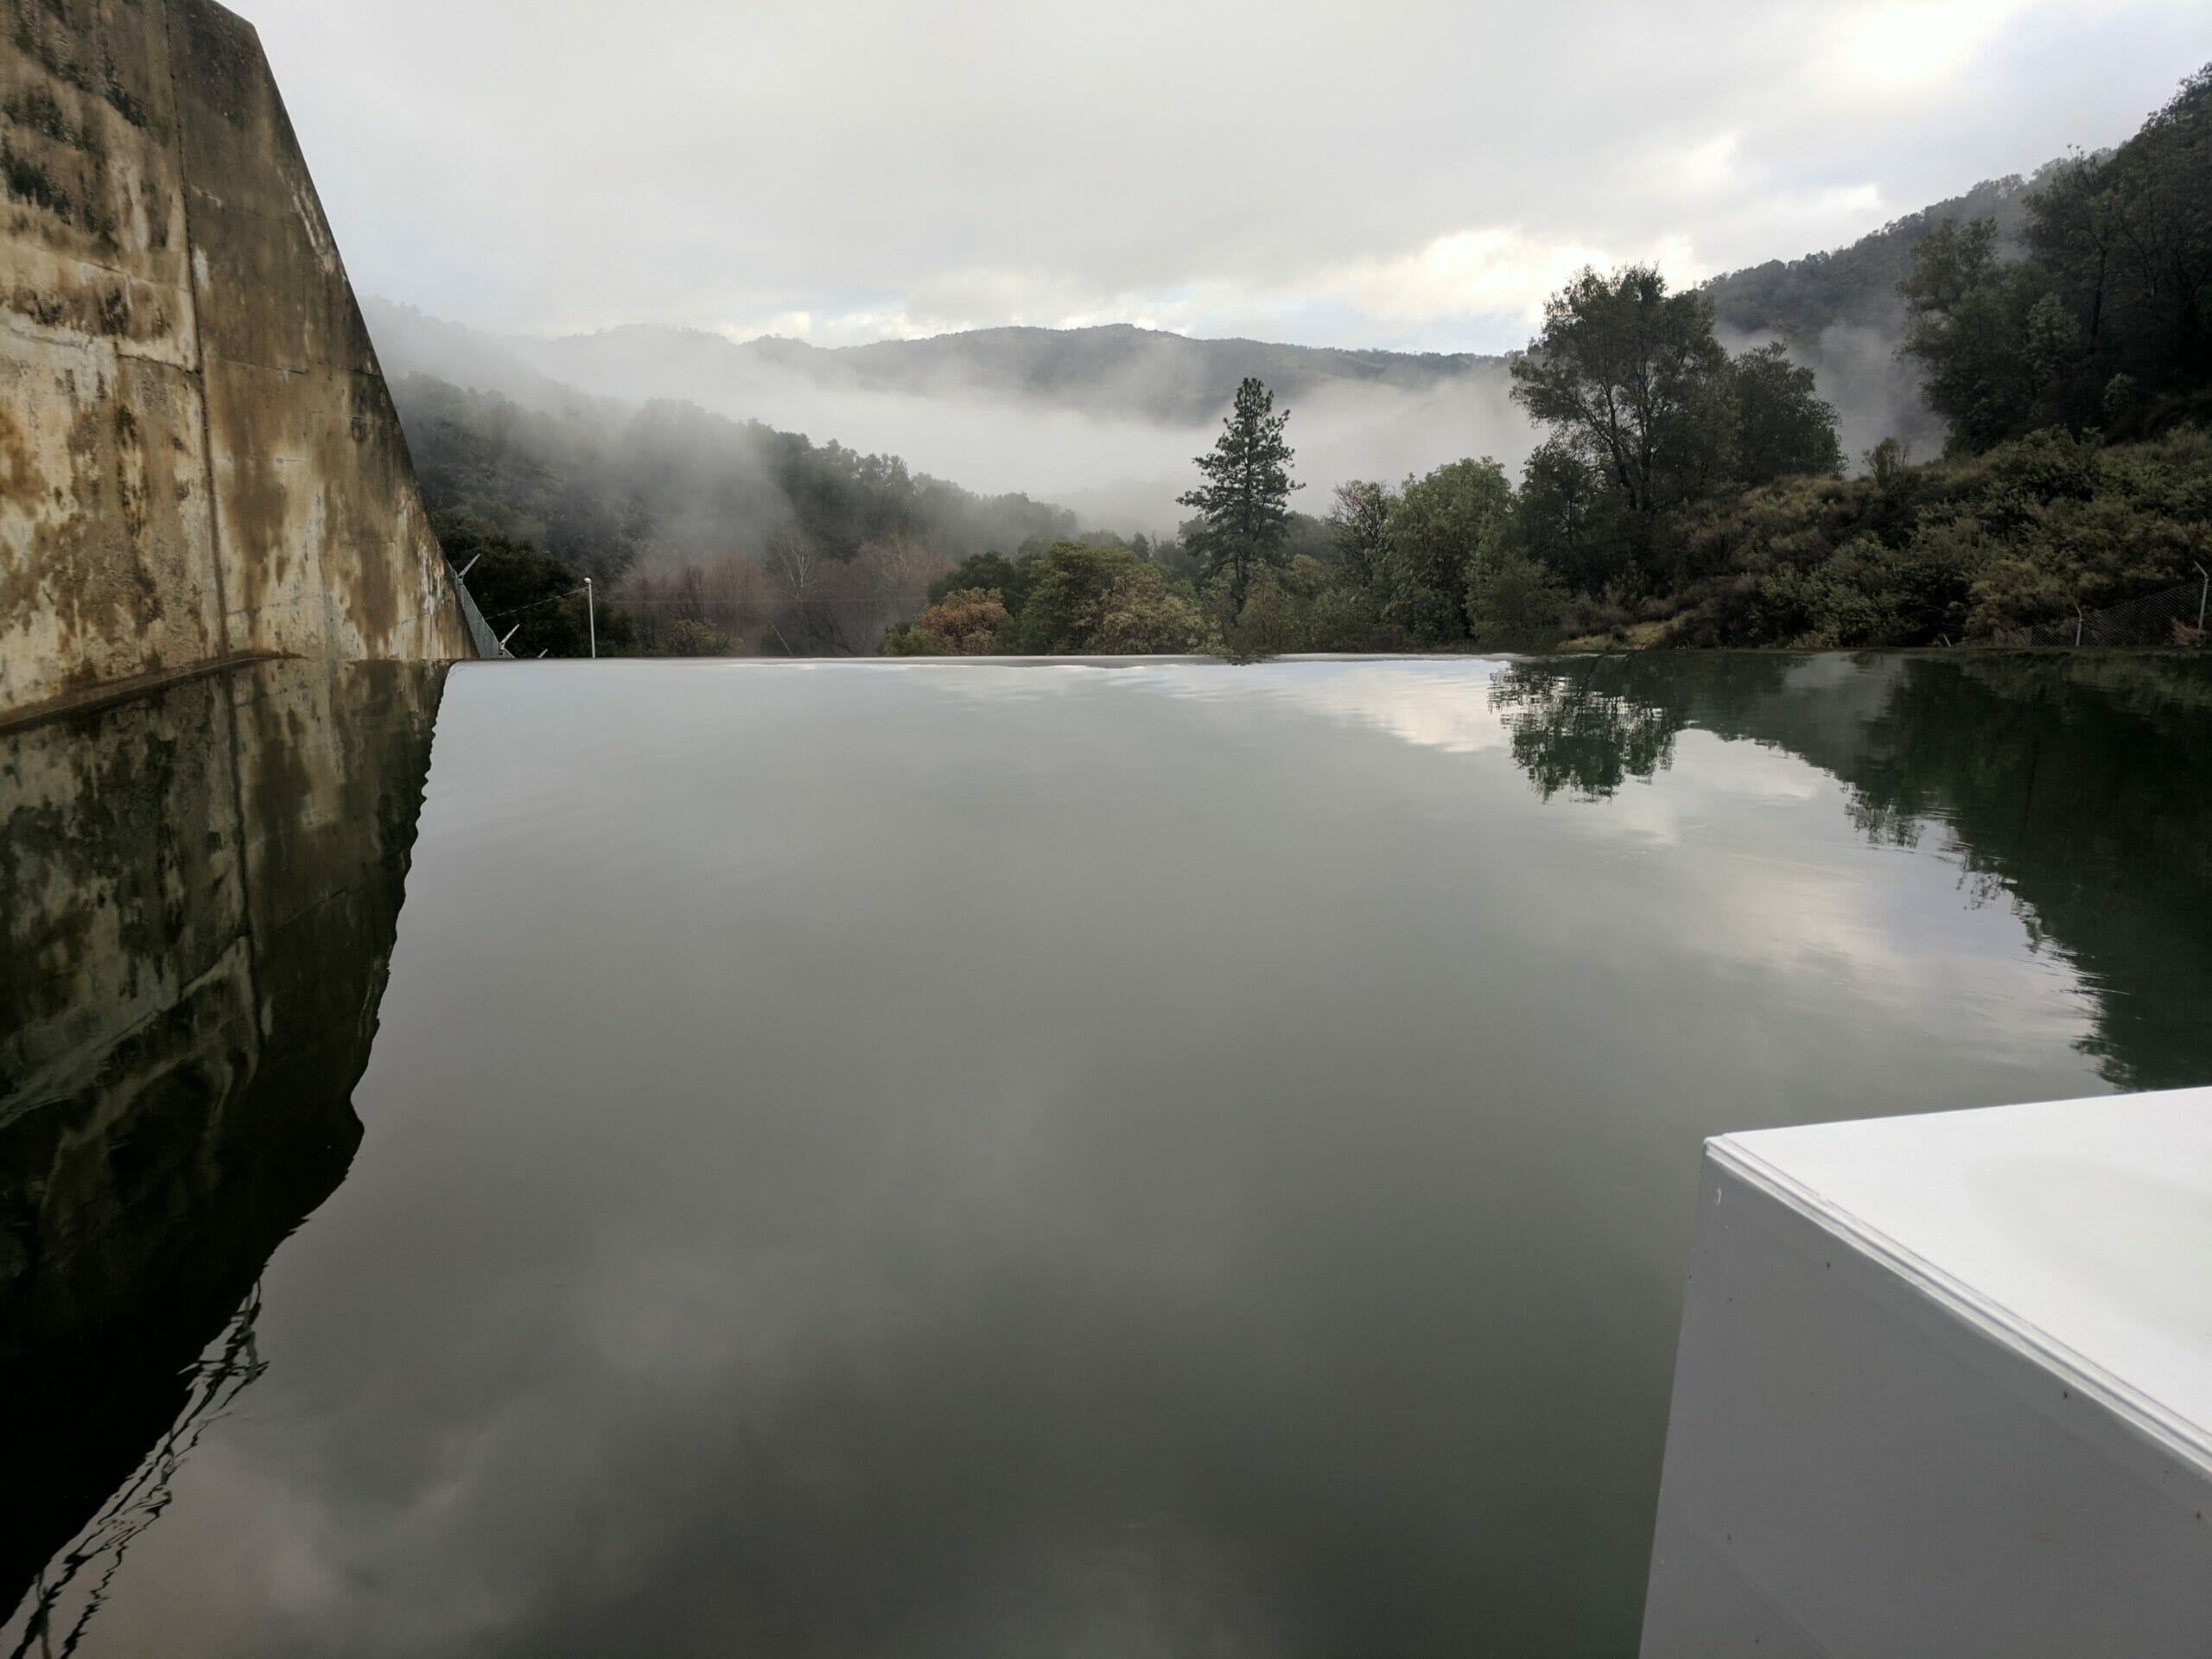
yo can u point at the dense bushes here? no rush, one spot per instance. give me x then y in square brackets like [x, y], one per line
[1958, 549]
[1072, 600]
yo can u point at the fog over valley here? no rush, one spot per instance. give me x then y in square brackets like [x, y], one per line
[1102, 421]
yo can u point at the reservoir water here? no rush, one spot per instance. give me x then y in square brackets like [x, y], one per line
[978, 1159]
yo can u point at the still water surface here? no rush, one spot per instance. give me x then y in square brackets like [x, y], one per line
[958, 1160]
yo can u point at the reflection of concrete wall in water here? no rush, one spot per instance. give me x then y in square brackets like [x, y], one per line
[198, 890]
[198, 457]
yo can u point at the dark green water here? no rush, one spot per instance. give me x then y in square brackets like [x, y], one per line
[982, 1161]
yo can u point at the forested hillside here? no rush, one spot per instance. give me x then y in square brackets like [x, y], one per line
[650, 499]
[1796, 300]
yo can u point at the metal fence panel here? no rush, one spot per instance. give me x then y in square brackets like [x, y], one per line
[479, 632]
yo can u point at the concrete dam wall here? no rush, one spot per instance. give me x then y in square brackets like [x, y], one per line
[199, 459]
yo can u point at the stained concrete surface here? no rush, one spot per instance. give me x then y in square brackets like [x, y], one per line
[199, 458]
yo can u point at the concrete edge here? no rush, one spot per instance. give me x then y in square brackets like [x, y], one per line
[2188, 1441]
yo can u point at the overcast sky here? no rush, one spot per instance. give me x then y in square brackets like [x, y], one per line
[1412, 173]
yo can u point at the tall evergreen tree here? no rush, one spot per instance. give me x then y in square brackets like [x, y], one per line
[1242, 499]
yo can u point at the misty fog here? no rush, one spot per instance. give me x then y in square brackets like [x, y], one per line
[1118, 470]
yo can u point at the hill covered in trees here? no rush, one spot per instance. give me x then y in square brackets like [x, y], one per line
[1685, 494]
[809, 547]
[1798, 300]
[1839, 315]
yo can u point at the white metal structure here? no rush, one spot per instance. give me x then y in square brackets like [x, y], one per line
[1945, 1387]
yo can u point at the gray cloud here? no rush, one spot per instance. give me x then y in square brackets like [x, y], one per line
[1410, 174]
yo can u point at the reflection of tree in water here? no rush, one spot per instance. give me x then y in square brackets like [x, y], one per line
[1579, 729]
[233, 1363]
[1587, 728]
[2077, 786]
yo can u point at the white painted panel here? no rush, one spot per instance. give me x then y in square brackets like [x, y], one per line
[1941, 1390]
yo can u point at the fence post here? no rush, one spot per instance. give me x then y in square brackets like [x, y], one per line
[2079, 622]
[591, 615]
[2202, 594]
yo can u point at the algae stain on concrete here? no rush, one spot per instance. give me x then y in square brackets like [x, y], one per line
[200, 457]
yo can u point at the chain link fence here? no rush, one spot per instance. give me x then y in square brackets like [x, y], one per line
[479, 632]
[2175, 617]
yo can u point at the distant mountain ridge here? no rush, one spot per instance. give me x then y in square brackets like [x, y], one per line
[1103, 419]
[1113, 369]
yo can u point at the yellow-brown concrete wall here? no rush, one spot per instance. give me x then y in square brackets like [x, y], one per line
[199, 458]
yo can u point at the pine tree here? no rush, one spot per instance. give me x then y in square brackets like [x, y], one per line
[1243, 500]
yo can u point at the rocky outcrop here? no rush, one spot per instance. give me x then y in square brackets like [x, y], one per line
[199, 460]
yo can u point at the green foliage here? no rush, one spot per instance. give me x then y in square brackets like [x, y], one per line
[1102, 600]
[1359, 526]
[1802, 298]
[1141, 612]
[690, 637]
[1885, 463]
[1782, 428]
[1650, 419]
[1956, 550]
[1969, 329]
[2107, 324]
[1011, 580]
[1630, 375]
[1243, 499]
[1513, 599]
[1440, 527]
[966, 622]
[1568, 518]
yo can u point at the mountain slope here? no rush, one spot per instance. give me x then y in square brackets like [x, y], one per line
[1857, 285]
[1839, 315]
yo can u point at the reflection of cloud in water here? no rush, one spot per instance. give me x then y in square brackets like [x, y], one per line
[1886, 929]
[1829, 921]
[1823, 921]
[1434, 705]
